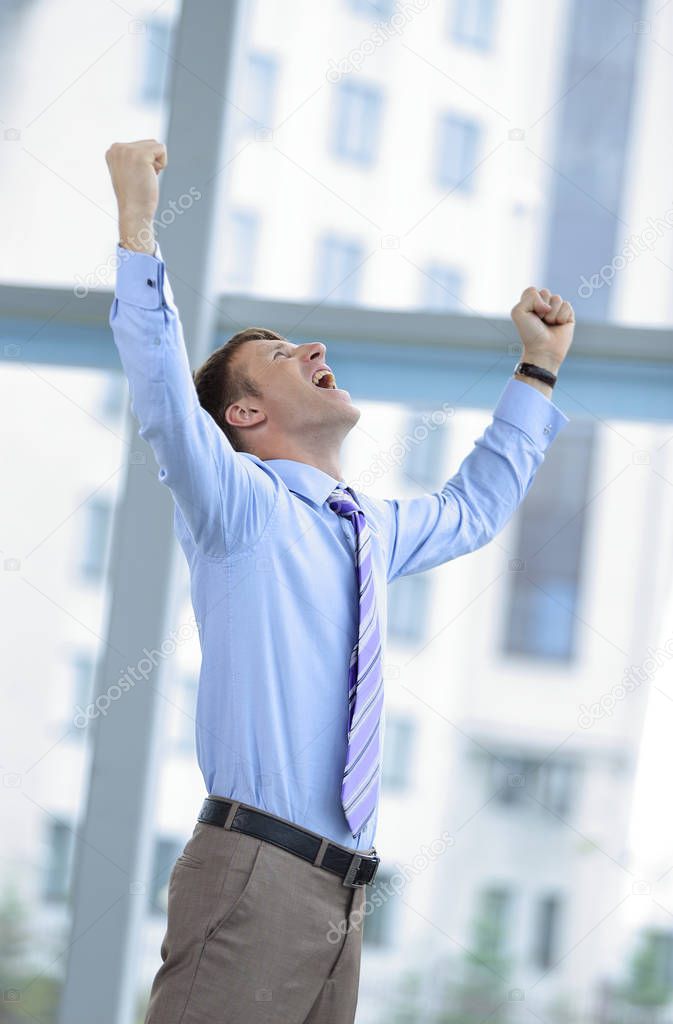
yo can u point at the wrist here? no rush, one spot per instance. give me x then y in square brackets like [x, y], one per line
[136, 229]
[539, 385]
[543, 359]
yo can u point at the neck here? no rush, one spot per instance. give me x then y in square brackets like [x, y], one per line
[325, 458]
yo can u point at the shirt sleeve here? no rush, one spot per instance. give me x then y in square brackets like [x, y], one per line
[224, 498]
[491, 482]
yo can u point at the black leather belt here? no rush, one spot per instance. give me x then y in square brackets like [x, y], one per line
[353, 868]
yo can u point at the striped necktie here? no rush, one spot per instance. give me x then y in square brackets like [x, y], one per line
[361, 779]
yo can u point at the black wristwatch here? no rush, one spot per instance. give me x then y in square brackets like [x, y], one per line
[531, 370]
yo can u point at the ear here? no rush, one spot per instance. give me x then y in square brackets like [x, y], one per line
[243, 415]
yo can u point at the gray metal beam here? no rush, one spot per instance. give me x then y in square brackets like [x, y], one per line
[423, 359]
[31, 317]
[113, 848]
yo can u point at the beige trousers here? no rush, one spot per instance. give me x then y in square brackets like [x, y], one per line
[256, 934]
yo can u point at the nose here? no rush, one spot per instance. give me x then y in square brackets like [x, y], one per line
[315, 350]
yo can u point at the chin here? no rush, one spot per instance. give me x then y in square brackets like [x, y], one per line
[353, 414]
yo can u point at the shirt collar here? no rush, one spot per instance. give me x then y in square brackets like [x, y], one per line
[309, 481]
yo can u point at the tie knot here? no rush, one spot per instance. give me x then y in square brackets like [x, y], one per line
[342, 502]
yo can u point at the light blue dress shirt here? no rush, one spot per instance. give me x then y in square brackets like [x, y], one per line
[272, 572]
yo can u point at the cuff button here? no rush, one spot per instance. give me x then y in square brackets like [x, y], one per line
[150, 282]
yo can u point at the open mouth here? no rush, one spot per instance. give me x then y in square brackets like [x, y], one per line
[324, 379]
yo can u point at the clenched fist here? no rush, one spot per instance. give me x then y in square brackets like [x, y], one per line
[546, 324]
[134, 169]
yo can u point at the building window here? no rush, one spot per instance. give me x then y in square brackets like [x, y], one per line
[425, 443]
[82, 672]
[356, 122]
[398, 752]
[550, 784]
[652, 966]
[379, 921]
[339, 269]
[260, 91]
[408, 608]
[96, 534]
[240, 249]
[556, 781]
[545, 940]
[166, 852]
[472, 23]
[545, 583]
[185, 714]
[114, 392]
[157, 56]
[457, 148]
[442, 289]
[492, 923]
[58, 867]
[374, 8]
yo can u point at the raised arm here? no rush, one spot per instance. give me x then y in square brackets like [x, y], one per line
[223, 497]
[480, 499]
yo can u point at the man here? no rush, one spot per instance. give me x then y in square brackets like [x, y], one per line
[289, 568]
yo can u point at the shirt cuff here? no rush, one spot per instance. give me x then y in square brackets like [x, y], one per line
[142, 279]
[528, 409]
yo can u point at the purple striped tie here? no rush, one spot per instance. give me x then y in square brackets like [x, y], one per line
[361, 780]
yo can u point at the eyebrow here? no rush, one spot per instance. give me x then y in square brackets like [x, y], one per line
[280, 345]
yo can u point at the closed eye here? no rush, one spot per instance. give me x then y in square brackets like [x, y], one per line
[280, 352]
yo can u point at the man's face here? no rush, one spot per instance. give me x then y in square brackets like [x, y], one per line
[299, 389]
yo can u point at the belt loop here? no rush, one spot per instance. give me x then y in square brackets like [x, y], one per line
[321, 853]
[235, 804]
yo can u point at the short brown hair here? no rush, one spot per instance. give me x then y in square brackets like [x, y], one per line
[219, 383]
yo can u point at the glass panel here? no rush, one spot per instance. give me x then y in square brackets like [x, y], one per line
[546, 569]
[397, 764]
[407, 609]
[62, 464]
[261, 84]
[373, 8]
[473, 22]
[546, 931]
[355, 122]
[457, 152]
[490, 927]
[379, 923]
[441, 288]
[339, 269]
[241, 246]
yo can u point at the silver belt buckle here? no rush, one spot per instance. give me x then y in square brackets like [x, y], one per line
[350, 875]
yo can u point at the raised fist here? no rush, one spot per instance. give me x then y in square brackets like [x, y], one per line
[546, 324]
[134, 169]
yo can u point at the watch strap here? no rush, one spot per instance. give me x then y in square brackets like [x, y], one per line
[538, 372]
